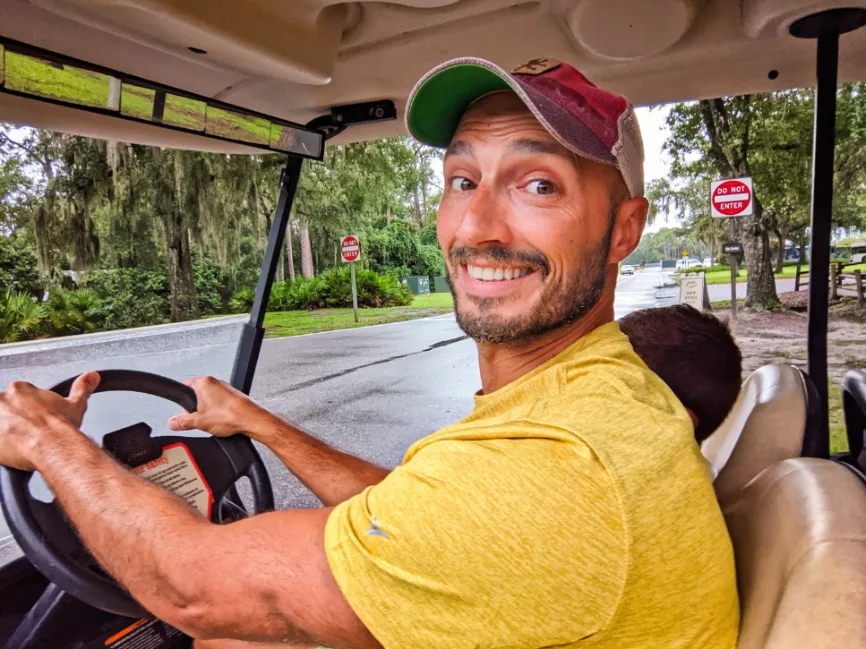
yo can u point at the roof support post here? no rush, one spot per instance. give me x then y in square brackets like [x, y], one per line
[826, 27]
[253, 333]
[823, 148]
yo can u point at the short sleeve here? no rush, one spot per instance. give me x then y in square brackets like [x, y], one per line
[483, 543]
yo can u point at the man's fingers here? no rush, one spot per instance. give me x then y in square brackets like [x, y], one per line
[84, 386]
[184, 421]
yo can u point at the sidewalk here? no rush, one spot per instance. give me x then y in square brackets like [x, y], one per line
[723, 291]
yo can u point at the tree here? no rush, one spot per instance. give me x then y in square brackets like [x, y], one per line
[721, 131]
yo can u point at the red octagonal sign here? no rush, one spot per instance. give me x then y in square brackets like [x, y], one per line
[350, 248]
[731, 197]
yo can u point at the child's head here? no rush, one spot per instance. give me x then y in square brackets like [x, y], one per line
[695, 354]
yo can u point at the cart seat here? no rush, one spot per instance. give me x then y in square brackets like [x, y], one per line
[771, 421]
[799, 535]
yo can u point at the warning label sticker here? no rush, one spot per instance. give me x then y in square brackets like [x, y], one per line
[147, 633]
[177, 471]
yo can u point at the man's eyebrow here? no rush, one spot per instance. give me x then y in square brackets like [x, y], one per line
[538, 147]
[459, 147]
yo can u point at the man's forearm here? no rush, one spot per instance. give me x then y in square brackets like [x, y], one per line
[142, 545]
[333, 476]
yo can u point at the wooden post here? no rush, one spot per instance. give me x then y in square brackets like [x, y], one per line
[797, 279]
[859, 280]
[833, 272]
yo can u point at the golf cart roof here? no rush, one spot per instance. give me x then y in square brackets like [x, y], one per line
[295, 60]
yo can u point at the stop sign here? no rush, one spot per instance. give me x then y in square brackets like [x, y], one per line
[350, 248]
[731, 197]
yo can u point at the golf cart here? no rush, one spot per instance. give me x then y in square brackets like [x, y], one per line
[284, 77]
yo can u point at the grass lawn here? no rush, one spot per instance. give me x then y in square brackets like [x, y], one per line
[838, 438]
[723, 276]
[293, 323]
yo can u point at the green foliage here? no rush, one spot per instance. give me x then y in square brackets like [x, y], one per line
[18, 266]
[74, 312]
[331, 289]
[210, 282]
[400, 246]
[130, 297]
[20, 316]
[160, 234]
[242, 301]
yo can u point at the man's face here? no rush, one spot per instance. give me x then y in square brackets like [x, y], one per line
[525, 227]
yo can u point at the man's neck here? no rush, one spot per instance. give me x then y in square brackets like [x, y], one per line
[503, 363]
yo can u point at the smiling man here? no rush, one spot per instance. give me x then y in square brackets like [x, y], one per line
[571, 508]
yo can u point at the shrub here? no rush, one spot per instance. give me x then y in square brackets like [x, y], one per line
[130, 297]
[18, 266]
[210, 281]
[332, 288]
[242, 301]
[20, 316]
[74, 312]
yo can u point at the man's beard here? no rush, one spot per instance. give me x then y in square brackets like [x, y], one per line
[554, 308]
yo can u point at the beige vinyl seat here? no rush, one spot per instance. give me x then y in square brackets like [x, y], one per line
[798, 525]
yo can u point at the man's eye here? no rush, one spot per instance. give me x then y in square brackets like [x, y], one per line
[461, 184]
[541, 187]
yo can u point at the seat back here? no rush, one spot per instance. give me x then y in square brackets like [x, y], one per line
[799, 535]
[767, 424]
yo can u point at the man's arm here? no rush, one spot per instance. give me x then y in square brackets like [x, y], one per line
[265, 578]
[333, 476]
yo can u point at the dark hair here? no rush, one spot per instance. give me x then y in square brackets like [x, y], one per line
[695, 354]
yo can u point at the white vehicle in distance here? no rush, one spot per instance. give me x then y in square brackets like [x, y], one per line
[627, 269]
[687, 264]
[708, 262]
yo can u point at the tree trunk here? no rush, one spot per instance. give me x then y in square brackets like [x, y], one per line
[424, 212]
[181, 279]
[803, 248]
[388, 216]
[780, 259]
[761, 284]
[416, 204]
[306, 251]
[290, 253]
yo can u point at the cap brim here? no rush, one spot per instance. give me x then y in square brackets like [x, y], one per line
[441, 97]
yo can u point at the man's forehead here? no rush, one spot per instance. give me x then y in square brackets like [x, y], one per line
[504, 117]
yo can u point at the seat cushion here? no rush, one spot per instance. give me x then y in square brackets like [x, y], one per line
[765, 426]
[799, 534]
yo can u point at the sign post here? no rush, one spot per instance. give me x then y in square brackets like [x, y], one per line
[729, 199]
[350, 251]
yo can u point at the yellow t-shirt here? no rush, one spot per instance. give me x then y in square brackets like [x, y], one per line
[571, 508]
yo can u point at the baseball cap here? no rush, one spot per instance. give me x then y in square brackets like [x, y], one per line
[584, 118]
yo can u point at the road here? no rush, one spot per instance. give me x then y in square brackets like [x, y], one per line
[371, 391]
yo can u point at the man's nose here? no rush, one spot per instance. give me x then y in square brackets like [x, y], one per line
[485, 220]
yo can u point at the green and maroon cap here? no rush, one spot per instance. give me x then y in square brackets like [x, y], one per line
[584, 118]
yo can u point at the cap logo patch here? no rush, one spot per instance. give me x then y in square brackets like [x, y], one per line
[536, 66]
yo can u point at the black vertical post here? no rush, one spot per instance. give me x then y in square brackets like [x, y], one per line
[823, 147]
[251, 337]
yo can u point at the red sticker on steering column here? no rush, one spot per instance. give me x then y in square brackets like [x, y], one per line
[177, 471]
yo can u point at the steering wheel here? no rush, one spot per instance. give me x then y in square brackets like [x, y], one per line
[201, 470]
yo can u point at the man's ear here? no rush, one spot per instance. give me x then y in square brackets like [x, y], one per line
[630, 222]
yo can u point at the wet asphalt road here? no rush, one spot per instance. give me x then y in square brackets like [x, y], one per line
[370, 391]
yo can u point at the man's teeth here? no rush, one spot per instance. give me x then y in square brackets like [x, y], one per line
[488, 274]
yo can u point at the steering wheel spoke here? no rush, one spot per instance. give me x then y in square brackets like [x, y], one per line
[200, 470]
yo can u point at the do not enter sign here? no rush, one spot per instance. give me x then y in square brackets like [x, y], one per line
[350, 248]
[732, 197]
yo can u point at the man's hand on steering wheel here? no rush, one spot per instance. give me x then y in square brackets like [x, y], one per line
[222, 410]
[26, 412]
